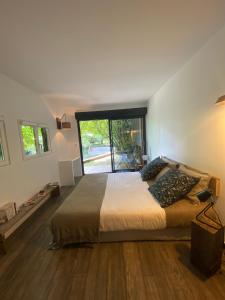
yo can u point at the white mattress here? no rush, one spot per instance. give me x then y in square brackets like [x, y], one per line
[128, 205]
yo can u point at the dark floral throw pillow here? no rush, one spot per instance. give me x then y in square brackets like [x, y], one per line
[152, 169]
[172, 186]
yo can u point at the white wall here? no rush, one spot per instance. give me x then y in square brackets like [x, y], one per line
[67, 141]
[183, 121]
[22, 178]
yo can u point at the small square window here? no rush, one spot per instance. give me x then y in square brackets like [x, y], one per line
[34, 139]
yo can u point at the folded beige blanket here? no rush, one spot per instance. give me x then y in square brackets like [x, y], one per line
[78, 219]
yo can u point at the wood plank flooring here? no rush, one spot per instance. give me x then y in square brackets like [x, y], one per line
[131, 270]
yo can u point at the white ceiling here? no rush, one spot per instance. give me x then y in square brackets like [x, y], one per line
[102, 51]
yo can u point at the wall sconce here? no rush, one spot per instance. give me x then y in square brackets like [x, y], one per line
[62, 123]
[221, 100]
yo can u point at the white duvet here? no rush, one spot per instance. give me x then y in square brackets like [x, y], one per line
[128, 205]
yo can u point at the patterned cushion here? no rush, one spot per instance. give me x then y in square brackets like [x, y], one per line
[162, 172]
[202, 185]
[172, 186]
[153, 168]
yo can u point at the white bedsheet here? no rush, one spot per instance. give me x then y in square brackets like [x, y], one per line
[128, 205]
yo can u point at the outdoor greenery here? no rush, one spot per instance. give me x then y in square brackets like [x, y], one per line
[94, 132]
[126, 141]
[1, 153]
[29, 139]
[126, 137]
[43, 139]
[97, 133]
[28, 136]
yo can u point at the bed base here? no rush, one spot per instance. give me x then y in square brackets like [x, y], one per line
[168, 234]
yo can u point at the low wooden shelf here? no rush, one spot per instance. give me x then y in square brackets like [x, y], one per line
[24, 213]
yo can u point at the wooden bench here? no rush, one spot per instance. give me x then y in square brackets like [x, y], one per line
[25, 212]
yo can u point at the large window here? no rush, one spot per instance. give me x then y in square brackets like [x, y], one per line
[112, 140]
[4, 155]
[34, 138]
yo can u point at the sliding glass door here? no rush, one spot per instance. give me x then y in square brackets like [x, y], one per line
[111, 140]
[127, 140]
[96, 148]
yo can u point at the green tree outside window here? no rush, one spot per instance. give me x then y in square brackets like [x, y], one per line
[28, 136]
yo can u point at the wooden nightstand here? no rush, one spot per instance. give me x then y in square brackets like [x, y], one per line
[206, 246]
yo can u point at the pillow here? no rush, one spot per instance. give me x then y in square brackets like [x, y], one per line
[172, 186]
[162, 172]
[153, 168]
[201, 186]
[171, 163]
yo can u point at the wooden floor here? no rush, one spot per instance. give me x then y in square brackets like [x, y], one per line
[132, 270]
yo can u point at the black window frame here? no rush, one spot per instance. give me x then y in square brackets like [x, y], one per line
[116, 114]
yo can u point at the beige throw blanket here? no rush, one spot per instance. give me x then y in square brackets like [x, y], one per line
[78, 219]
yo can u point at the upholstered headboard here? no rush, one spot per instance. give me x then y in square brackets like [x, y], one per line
[214, 183]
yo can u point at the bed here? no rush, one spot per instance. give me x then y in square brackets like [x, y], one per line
[118, 207]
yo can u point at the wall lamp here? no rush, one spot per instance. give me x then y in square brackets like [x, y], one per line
[221, 100]
[62, 123]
